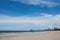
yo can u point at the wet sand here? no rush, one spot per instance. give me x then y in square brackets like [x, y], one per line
[50, 35]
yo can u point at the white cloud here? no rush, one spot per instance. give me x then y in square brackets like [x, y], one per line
[45, 20]
[48, 3]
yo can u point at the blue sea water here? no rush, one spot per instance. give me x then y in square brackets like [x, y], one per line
[9, 34]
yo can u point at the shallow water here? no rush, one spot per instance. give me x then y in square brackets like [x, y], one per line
[8, 34]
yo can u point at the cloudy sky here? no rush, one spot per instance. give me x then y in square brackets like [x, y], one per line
[29, 14]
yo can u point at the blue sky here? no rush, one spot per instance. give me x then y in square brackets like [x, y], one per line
[29, 14]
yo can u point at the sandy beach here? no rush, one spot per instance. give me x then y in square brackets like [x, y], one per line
[49, 35]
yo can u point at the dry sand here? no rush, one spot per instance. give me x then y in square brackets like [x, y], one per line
[52, 35]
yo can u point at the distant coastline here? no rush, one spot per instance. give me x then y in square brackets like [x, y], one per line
[55, 29]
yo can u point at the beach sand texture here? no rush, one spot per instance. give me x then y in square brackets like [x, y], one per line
[51, 35]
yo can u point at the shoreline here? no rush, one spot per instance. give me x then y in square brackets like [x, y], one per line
[49, 35]
[18, 33]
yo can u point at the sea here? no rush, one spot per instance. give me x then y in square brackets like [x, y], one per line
[8, 34]
[12, 34]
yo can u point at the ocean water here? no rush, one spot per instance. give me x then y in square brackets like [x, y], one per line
[10, 34]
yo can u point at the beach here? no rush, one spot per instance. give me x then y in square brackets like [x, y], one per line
[47, 35]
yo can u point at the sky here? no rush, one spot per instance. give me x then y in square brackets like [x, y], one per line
[29, 14]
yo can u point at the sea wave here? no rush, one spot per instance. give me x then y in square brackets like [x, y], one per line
[9, 34]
